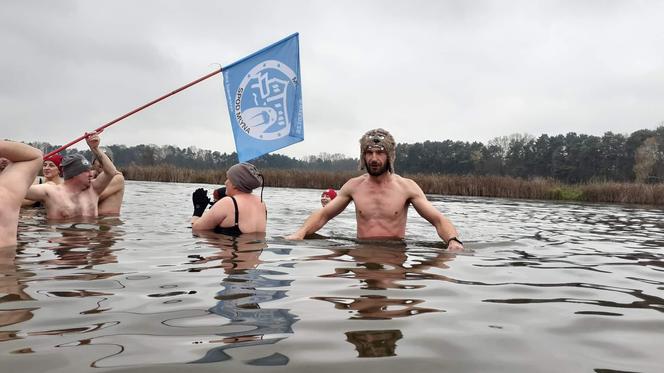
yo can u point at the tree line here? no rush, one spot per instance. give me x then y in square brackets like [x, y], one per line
[570, 158]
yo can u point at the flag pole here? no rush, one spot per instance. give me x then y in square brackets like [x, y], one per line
[135, 111]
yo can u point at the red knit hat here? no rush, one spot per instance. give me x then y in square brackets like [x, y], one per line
[330, 193]
[57, 159]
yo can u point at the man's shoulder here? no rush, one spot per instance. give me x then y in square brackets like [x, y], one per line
[118, 178]
[45, 186]
[357, 183]
[357, 179]
[407, 185]
[403, 180]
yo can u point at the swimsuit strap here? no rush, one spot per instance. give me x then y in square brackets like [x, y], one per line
[237, 212]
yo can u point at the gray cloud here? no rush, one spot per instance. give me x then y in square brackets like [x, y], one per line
[426, 70]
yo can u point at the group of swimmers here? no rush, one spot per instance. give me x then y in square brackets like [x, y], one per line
[72, 187]
[381, 197]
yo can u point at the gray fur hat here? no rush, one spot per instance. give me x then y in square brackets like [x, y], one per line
[379, 138]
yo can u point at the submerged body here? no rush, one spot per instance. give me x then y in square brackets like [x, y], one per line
[79, 195]
[236, 213]
[381, 208]
[381, 198]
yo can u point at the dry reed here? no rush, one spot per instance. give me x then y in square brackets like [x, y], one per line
[467, 185]
[643, 194]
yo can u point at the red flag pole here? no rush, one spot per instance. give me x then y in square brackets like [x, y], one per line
[135, 111]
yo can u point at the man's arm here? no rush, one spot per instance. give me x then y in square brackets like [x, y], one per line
[102, 181]
[319, 218]
[116, 184]
[38, 192]
[21, 172]
[444, 226]
[28, 202]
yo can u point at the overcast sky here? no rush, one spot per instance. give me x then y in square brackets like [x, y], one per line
[424, 70]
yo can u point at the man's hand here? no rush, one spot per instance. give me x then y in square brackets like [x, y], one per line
[454, 246]
[295, 236]
[93, 140]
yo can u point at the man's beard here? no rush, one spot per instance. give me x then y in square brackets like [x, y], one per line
[378, 172]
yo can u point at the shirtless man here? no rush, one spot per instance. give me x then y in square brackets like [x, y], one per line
[21, 165]
[78, 196]
[110, 200]
[381, 198]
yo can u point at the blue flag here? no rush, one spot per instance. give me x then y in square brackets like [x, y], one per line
[264, 96]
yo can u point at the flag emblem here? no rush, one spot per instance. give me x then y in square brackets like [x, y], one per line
[264, 100]
[264, 97]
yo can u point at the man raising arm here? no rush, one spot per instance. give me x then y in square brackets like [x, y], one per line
[20, 171]
[78, 196]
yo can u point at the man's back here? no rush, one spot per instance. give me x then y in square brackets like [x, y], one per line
[9, 211]
[14, 181]
[110, 200]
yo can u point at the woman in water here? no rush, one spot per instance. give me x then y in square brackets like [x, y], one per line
[51, 169]
[239, 212]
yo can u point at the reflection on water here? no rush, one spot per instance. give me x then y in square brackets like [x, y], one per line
[12, 289]
[77, 246]
[383, 266]
[547, 287]
[374, 343]
[246, 290]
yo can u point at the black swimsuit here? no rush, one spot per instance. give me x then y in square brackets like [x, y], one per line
[235, 229]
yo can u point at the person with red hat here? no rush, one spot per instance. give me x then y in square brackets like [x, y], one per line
[52, 175]
[78, 195]
[327, 196]
[51, 169]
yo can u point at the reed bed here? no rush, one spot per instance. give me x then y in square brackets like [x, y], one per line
[170, 173]
[643, 194]
[487, 186]
[307, 179]
[273, 178]
[467, 185]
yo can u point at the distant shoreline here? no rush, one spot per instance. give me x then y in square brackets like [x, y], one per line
[467, 185]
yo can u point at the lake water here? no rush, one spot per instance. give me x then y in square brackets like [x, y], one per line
[545, 287]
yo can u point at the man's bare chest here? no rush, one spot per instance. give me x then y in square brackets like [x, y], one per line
[70, 205]
[380, 205]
